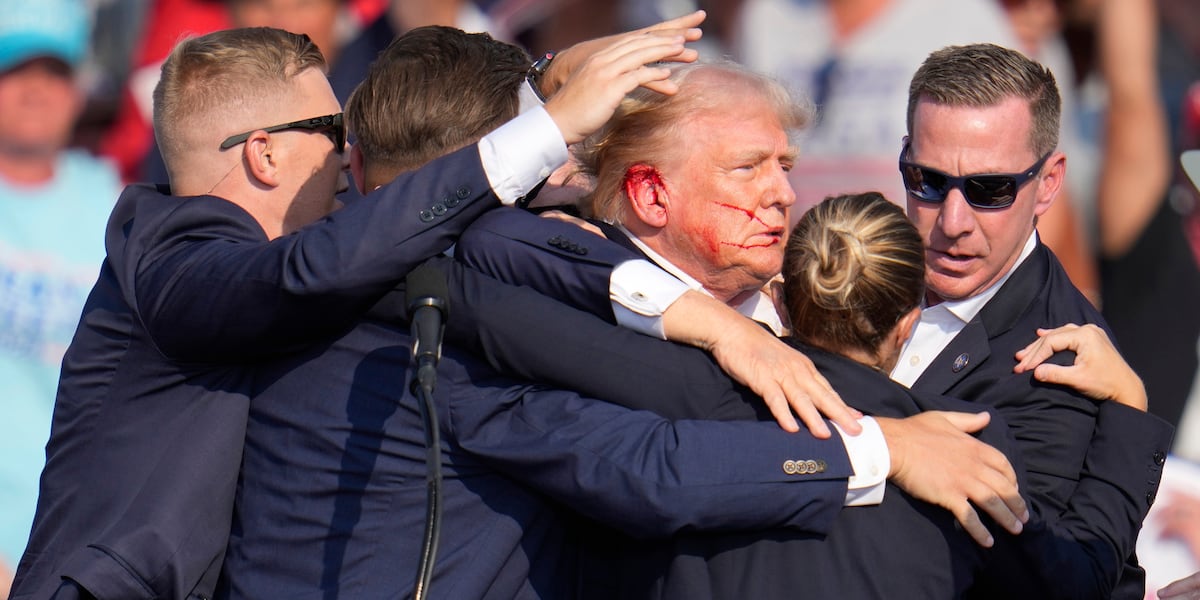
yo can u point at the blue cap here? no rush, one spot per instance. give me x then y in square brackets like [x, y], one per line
[33, 28]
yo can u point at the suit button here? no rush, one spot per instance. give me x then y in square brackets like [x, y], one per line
[451, 201]
[439, 209]
[821, 466]
[581, 251]
[425, 216]
[1149, 497]
[789, 467]
[811, 466]
[463, 192]
[1159, 458]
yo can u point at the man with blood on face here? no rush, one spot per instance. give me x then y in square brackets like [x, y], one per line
[708, 197]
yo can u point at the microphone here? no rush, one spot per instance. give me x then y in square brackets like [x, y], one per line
[426, 291]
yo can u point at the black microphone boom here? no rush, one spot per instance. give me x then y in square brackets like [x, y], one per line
[426, 292]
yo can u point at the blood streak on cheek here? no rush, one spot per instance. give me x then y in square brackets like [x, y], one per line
[750, 214]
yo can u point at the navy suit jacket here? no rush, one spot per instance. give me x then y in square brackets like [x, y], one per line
[146, 440]
[333, 488]
[1066, 440]
[507, 242]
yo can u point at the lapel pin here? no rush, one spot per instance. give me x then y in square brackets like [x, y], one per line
[961, 362]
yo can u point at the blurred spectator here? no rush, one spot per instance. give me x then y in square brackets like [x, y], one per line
[1069, 226]
[320, 19]
[350, 66]
[855, 59]
[1180, 516]
[131, 137]
[1178, 62]
[1150, 283]
[55, 202]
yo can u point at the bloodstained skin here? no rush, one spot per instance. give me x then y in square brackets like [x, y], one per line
[640, 177]
[753, 216]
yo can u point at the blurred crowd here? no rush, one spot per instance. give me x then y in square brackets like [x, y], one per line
[76, 78]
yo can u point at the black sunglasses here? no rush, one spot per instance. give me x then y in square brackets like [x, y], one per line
[996, 190]
[329, 125]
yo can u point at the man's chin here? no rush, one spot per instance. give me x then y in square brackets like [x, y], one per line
[949, 286]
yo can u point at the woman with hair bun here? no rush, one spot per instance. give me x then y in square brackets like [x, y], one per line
[854, 275]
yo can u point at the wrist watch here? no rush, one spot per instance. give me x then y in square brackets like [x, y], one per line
[537, 70]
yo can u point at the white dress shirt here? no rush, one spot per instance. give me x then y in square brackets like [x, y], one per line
[939, 324]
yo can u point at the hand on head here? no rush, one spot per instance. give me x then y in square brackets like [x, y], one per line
[593, 90]
[570, 60]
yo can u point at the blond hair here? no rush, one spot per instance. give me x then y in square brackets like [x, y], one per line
[645, 127]
[212, 81]
[854, 265]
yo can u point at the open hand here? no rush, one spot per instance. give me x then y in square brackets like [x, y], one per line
[1099, 372]
[936, 460]
[593, 91]
[568, 61]
[786, 379]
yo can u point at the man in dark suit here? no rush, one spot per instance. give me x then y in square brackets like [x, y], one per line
[980, 164]
[1068, 438]
[240, 261]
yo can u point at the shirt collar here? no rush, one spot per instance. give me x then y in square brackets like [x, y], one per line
[758, 306]
[968, 308]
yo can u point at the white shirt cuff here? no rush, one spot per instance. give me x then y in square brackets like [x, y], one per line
[641, 292]
[521, 153]
[871, 461]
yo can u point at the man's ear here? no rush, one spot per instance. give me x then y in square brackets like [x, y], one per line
[1050, 186]
[647, 195]
[356, 170]
[260, 156]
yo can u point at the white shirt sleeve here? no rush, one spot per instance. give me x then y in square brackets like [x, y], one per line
[871, 461]
[521, 153]
[640, 293]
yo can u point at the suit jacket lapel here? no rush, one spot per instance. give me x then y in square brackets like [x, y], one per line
[971, 347]
[962, 355]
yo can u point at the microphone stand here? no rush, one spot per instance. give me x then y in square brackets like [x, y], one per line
[426, 289]
[423, 386]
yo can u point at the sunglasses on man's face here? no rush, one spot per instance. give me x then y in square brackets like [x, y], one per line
[331, 126]
[995, 190]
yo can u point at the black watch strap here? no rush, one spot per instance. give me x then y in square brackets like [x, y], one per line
[537, 70]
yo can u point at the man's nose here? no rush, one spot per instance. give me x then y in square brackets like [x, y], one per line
[780, 192]
[955, 216]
